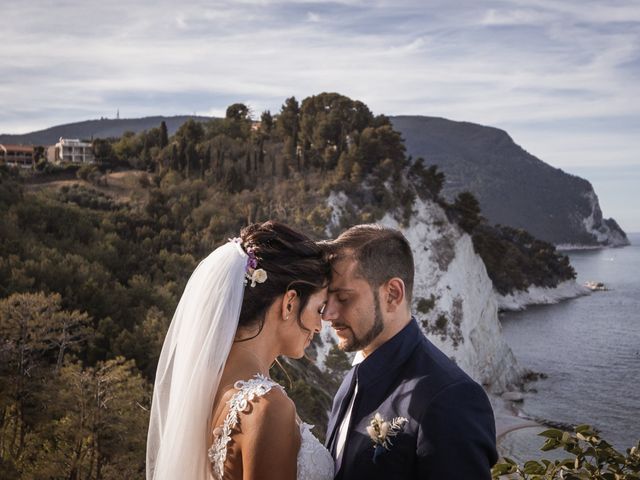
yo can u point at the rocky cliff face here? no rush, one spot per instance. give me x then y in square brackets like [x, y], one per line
[513, 187]
[453, 298]
[605, 231]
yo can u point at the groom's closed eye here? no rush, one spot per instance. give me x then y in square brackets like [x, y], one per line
[342, 295]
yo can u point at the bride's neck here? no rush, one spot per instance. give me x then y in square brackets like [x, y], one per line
[250, 357]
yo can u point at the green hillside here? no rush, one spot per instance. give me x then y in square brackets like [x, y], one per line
[94, 260]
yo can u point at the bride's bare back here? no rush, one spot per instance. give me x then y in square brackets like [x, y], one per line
[265, 441]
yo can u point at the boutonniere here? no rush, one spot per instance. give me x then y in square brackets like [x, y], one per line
[382, 431]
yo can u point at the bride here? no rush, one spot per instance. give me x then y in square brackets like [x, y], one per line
[215, 411]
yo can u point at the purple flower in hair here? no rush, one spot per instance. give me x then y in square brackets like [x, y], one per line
[252, 261]
[252, 272]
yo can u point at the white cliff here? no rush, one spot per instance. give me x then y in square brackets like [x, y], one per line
[534, 295]
[453, 298]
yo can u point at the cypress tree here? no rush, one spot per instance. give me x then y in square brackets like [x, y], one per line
[164, 135]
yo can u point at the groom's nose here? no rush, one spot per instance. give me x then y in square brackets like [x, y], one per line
[330, 313]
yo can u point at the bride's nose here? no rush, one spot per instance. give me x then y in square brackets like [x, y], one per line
[317, 324]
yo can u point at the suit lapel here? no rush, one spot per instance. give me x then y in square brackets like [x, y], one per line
[377, 377]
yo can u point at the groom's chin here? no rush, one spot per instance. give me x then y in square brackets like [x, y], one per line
[345, 343]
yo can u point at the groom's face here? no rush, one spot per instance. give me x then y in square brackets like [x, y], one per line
[353, 307]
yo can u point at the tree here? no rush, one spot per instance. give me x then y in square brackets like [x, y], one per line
[190, 132]
[175, 159]
[429, 181]
[192, 160]
[164, 134]
[38, 153]
[328, 122]
[35, 331]
[266, 122]
[237, 123]
[101, 433]
[146, 155]
[377, 144]
[288, 125]
[206, 161]
[102, 150]
[182, 155]
[237, 112]
[467, 210]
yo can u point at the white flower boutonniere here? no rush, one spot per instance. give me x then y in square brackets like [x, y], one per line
[382, 431]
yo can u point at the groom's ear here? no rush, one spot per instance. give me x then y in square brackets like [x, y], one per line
[394, 293]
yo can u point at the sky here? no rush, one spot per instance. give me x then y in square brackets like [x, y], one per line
[562, 77]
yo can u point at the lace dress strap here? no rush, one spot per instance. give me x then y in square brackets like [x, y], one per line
[257, 386]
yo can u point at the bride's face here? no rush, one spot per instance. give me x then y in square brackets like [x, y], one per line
[300, 334]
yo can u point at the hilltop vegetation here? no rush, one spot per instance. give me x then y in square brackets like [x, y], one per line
[89, 282]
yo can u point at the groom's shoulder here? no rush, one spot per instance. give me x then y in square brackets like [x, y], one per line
[432, 369]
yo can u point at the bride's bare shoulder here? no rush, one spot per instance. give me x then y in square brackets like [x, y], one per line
[274, 409]
[270, 438]
[260, 407]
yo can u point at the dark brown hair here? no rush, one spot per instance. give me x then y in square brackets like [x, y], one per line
[292, 262]
[382, 253]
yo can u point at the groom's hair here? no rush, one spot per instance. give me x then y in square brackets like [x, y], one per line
[382, 253]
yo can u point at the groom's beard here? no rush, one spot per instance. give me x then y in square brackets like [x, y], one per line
[358, 343]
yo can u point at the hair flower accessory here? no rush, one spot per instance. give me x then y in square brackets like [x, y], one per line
[257, 276]
[252, 273]
[381, 432]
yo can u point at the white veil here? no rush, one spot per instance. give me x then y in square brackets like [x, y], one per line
[193, 356]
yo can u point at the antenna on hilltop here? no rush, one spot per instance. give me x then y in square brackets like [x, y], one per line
[118, 114]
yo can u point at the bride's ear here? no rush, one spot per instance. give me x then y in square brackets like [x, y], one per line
[288, 300]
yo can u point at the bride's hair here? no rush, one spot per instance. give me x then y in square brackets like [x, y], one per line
[292, 262]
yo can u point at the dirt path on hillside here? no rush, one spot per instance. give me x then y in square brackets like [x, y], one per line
[123, 186]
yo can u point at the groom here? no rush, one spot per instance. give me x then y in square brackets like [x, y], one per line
[444, 426]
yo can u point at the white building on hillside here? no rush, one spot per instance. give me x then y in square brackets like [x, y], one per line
[74, 151]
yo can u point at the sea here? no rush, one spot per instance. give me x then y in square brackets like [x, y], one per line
[588, 348]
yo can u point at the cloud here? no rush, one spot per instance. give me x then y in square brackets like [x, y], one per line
[313, 17]
[515, 64]
[494, 17]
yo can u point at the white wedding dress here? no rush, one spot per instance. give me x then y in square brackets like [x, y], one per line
[314, 460]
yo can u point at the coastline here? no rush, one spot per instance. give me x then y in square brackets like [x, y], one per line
[604, 322]
[567, 247]
[521, 299]
[508, 417]
[507, 408]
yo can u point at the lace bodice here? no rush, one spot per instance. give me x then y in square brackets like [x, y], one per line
[314, 461]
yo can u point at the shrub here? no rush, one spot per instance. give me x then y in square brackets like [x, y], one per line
[591, 458]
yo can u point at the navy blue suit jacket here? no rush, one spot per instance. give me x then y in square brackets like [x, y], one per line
[450, 433]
